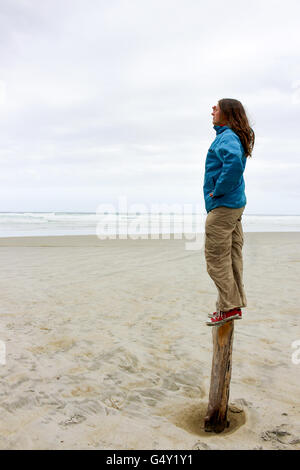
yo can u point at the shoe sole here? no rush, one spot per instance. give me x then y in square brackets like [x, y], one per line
[212, 316]
[234, 317]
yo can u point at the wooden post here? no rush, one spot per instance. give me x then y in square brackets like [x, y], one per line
[216, 416]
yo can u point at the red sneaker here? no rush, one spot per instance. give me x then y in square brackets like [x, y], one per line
[222, 317]
[239, 311]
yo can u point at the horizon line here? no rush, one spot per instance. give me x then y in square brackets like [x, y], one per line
[133, 212]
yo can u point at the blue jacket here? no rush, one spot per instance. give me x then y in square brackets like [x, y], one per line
[224, 168]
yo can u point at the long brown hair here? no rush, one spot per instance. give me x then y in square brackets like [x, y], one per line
[233, 112]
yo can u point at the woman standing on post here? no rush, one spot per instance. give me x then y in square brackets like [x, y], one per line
[225, 201]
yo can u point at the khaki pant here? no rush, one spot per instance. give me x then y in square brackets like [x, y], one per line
[223, 253]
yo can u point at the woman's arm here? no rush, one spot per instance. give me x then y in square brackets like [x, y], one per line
[231, 153]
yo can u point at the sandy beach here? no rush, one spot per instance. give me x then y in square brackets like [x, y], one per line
[107, 346]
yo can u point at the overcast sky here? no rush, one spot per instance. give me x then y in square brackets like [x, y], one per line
[107, 98]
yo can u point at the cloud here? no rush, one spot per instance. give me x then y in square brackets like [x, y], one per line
[119, 93]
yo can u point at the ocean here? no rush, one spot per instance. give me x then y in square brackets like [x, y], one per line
[23, 224]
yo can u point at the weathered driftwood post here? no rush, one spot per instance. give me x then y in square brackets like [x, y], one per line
[216, 416]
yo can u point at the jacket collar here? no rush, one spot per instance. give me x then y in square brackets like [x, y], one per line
[220, 129]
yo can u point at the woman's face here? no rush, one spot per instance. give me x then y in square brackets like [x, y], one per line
[216, 114]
